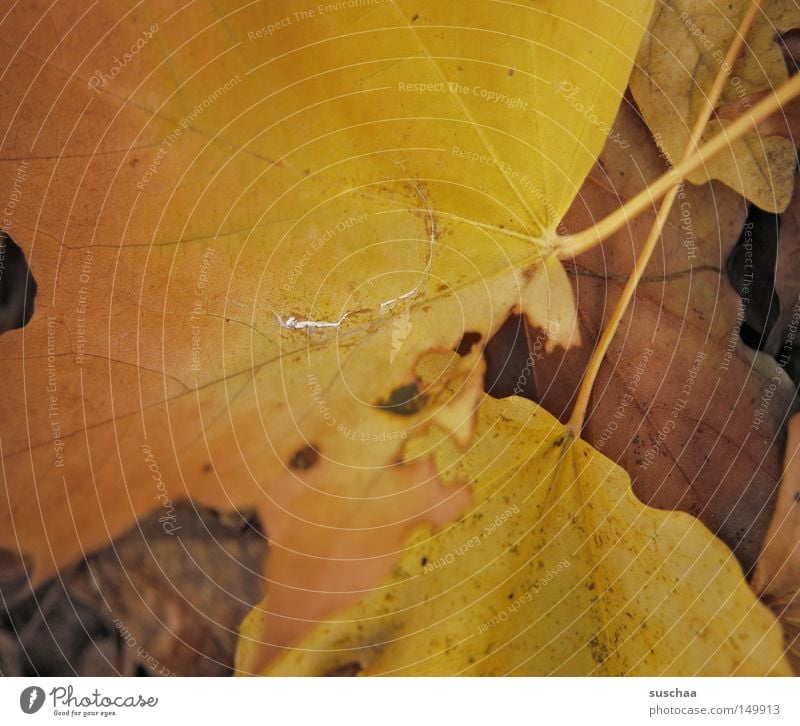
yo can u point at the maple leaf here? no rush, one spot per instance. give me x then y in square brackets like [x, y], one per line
[556, 570]
[678, 61]
[228, 226]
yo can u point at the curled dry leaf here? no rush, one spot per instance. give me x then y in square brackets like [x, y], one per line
[676, 66]
[558, 569]
[777, 575]
[248, 237]
[679, 404]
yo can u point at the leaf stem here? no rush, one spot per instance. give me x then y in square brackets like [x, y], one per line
[669, 185]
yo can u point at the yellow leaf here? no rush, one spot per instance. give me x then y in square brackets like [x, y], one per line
[676, 66]
[685, 297]
[250, 232]
[557, 570]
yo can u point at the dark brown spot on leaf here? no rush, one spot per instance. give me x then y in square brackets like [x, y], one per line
[304, 459]
[404, 400]
[599, 650]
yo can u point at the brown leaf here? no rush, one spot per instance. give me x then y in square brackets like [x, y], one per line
[777, 576]
[175, 594]
[678, 402]
[677, 63]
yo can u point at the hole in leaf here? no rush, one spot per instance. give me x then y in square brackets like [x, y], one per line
[509, 364]
[17, 286]
[468, 341]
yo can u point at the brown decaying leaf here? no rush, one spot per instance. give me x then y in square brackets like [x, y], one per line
[176, 600]
[166, 598]
[678, 60]
[678, 418]
[51, 633]
[777, 576]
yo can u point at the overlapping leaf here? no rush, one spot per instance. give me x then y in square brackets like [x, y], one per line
[676, 66]
[680, 404]
[777, 575]
[250, 231]
[557, 570]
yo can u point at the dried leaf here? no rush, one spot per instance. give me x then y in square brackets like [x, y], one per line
[782, 340]
[174, 595]
[557, 570]
[777, 575]
[679, 403]
[677, 63]
[249, 237]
